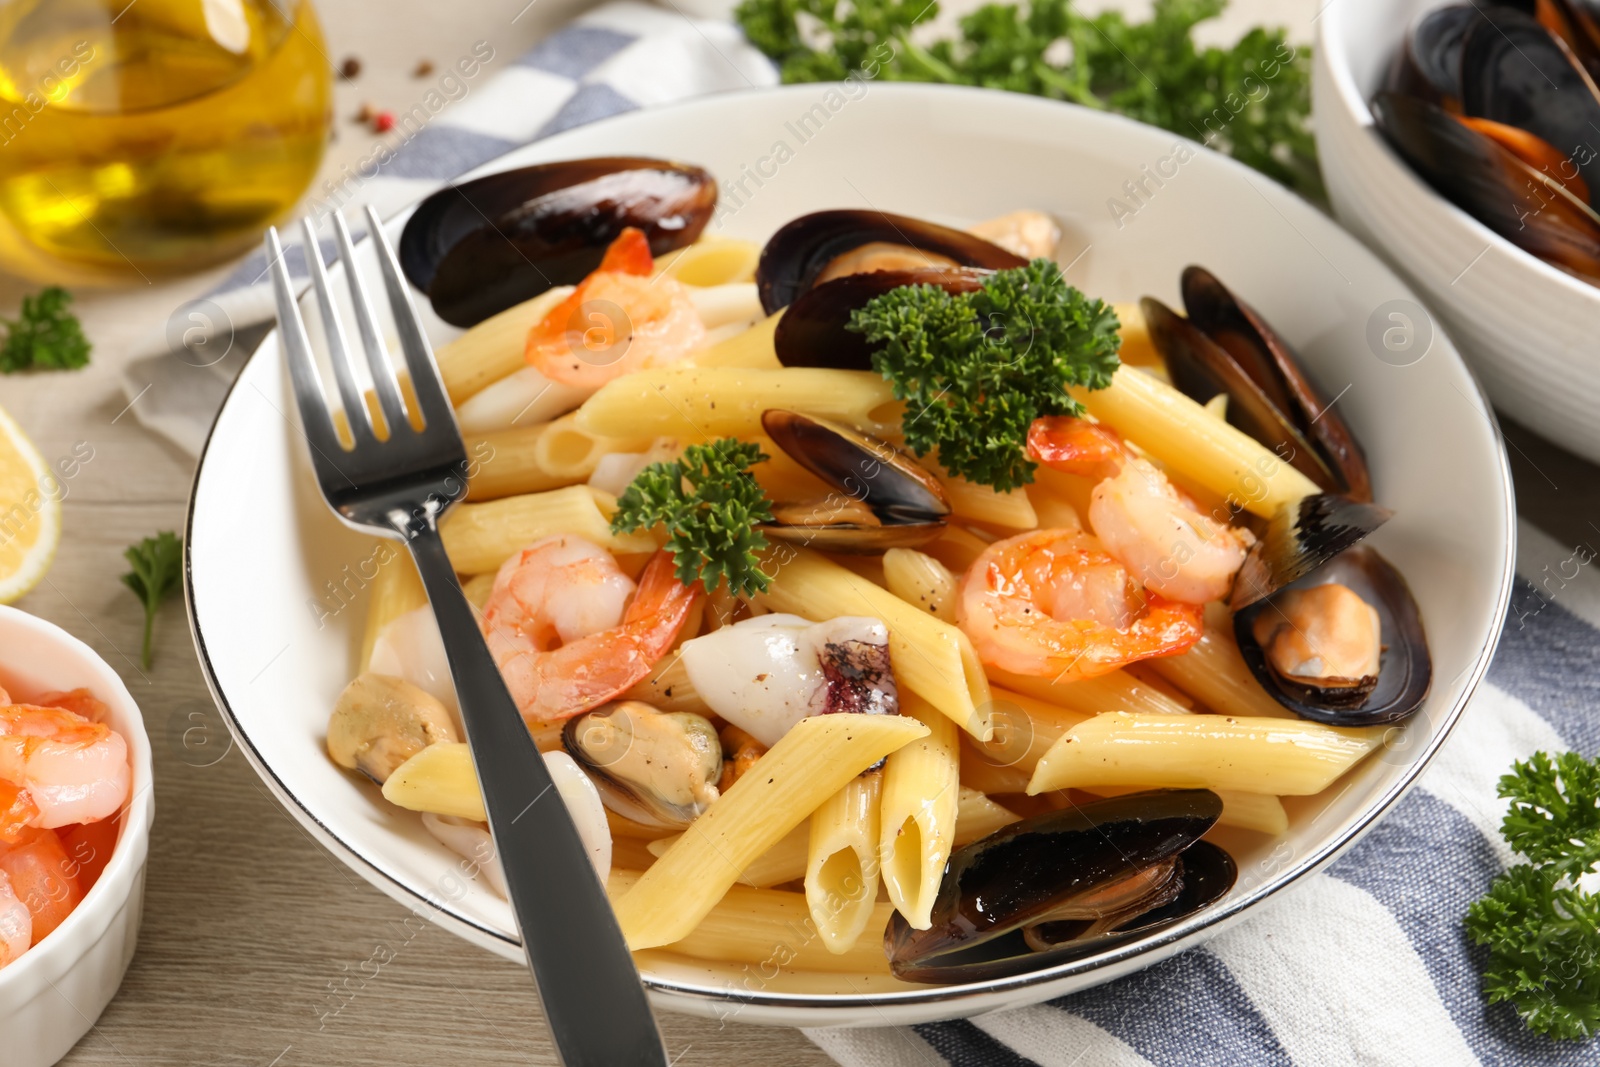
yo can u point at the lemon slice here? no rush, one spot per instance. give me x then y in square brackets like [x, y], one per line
[30, 513]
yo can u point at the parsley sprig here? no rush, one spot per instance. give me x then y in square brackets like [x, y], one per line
[710, 504]
[1251, 100]
[1542, 928]
[157, 564]
[46, 336]
[976, 369]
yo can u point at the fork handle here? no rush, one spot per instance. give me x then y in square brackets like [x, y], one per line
[592, 995]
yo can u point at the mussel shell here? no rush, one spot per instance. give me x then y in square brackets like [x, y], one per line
[1274, 366]
[898, 490]
[1200, 368]
[1428, 65]
[1530, 209]
[802, 248]
[1300, 538]
[1208, 872]
[1405, 671]
[812, 331]
[994, 887]
[485, 245]
[628, 797]
[1577, 23]
[1515, 71]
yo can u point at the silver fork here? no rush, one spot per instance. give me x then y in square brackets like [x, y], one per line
[399, 487]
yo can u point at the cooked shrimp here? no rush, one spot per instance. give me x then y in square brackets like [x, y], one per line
[617, 321]
[1140, 517]
[1054, 603]
[16, 923]
[1029, 234]
[564, 632]
[43, 877]
[57, 767]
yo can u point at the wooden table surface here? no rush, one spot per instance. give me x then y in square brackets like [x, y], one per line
[254, 935]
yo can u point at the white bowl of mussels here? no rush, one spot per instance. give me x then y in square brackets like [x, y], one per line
[912, 709]
[1458, 141]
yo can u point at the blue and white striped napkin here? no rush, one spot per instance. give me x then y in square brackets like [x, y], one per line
[1364, 964]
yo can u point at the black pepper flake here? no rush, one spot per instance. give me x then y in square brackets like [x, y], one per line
[350, 69]
[424, 68]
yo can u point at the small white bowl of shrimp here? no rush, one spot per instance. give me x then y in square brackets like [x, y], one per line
[75, 813]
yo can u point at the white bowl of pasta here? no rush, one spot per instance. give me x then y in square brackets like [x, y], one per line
[288, 606]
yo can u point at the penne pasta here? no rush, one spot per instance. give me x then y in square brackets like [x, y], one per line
[1179, 434]
[842, 868]
[769, 927]
[976, 816]
[480, 537]
[696, 403]
[932, 659]
[396, 589]
[957, 548]
[1055, 512]
[493, 348]
[507, 466]
[440, 779]
[1280, 757]
[921, 581]
[750, 348]
[1214, 673]
[1136, 347]
[809, 764]
[1115, 691]
[568, 452]
[1248, 811]
[712, 261]
[972, 502]
[921, 791]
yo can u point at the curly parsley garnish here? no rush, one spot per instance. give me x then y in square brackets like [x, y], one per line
[157, 564]
[1252, 99]
[46, 336]
[975, 369]
[1541, 928]
[710, 505]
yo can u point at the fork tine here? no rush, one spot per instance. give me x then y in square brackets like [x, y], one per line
[383, 379]
[425, 379]
[355, 407]
[308, 394]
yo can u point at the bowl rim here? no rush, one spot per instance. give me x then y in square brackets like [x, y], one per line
[1335, 60]
[94, 914]
[699, 997]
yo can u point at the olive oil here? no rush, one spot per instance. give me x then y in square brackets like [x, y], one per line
[155, 136]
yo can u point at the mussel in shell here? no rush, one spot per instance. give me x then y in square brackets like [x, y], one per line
[881, 498]
[825, 245]
[657, 768]
[1487, 180]
[812, 332]
[1067, 884]
[1201, 368]
[1327, 625]
[1275, 369]
[485, 245]
[1492, 107]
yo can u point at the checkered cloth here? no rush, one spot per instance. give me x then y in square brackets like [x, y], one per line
[1365, 963]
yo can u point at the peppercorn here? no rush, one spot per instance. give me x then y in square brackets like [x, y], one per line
[383, 122]
[350, 69]
[424, 68]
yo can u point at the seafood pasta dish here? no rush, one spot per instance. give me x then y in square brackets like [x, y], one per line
[64, 777]
[875, 581]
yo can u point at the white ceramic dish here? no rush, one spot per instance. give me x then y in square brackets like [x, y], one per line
[1525, 327]
[52, 995]
[264, 551]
